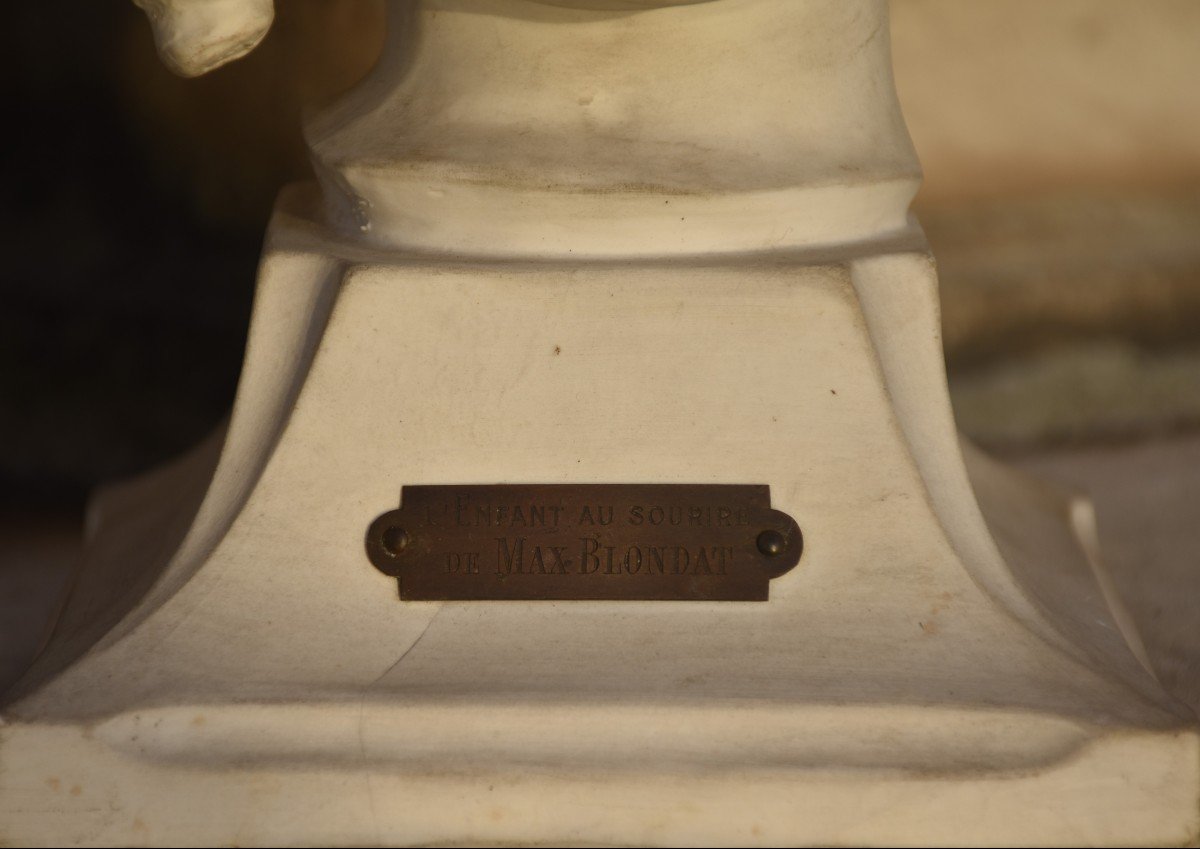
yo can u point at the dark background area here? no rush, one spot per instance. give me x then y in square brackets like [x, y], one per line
[134, 209]
[123, 309]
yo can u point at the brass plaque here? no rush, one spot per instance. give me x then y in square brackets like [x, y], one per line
[585, 541]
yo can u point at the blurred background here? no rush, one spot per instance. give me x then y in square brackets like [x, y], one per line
[1061, 146]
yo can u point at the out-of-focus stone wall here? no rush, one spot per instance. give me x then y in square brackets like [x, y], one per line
[1010, 98]
[1061, 148]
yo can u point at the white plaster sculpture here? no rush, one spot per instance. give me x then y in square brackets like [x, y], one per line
[195, 36]
[598, 242]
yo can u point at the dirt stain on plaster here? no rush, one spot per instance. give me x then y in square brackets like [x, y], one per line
[930, 626]
[942, 603]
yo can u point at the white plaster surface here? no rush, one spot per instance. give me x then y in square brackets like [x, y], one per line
[947, 664]
[194, 37]
[271, 688]
[732, 125]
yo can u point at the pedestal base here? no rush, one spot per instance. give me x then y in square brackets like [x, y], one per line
[596, 774]
[925, 675]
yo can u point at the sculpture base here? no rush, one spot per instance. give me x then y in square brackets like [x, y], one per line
[470, 773]
[929, 673]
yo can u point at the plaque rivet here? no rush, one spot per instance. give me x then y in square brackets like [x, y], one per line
[395, 540]
[772, 543]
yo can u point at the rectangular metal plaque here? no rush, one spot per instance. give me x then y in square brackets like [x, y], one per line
[585, 541]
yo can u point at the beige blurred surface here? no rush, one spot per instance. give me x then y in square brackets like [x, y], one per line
[1147, 499]
[1061, 148]
[1012, 97]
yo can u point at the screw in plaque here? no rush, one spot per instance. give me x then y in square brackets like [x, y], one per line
[394, 540]
[770, 542]
[781, 549]
[387, 541]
